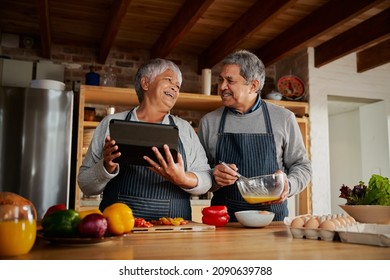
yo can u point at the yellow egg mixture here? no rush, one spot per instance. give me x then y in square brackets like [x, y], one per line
[260, 199]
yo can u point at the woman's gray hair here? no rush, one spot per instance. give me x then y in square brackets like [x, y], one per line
[151, 70]
[251, 67]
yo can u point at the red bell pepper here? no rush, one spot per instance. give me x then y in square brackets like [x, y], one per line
[54, 208]
[215, 215]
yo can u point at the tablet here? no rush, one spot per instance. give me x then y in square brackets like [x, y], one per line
[136, 139]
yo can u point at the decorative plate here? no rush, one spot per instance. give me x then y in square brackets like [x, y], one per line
[291, 87]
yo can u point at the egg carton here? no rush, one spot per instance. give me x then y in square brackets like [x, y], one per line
[355, 232]
[368, 234]
[314, 233]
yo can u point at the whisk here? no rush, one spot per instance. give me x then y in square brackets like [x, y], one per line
[247, 183]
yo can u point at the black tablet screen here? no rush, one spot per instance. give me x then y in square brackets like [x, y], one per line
[136, 139]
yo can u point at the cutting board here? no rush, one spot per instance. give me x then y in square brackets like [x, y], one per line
[191, 226]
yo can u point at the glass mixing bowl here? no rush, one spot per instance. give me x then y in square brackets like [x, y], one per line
[261, 189]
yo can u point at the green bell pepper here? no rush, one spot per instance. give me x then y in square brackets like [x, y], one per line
[62, 223]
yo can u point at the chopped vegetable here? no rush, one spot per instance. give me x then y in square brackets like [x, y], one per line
[141, 222]
[177, 221]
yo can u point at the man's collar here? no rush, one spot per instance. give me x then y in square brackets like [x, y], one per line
[256, 106]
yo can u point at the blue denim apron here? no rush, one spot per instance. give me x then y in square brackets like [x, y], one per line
[149, 195]
[254, 154]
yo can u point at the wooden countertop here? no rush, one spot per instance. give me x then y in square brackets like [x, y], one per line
[232, 242]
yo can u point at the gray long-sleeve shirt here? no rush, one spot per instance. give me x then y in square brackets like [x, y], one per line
[291, 153]
[93, 177]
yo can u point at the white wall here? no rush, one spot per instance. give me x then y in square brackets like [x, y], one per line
[338, 78]
[374, 138]
[345, 155]
[358, 146]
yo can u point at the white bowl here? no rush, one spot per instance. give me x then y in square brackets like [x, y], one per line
[274, 95]
[254, 218]
[371, 214]
[47, 84]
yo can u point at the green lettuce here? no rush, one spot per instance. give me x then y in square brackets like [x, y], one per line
[376, 193]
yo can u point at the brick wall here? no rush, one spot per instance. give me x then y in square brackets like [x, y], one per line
[125, 62]
[77, 61]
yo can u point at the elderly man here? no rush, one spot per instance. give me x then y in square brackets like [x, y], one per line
[253, 136]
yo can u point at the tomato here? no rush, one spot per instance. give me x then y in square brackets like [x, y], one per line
[141, 222]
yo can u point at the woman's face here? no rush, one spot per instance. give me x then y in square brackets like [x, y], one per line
[163, 91]
[234, 90]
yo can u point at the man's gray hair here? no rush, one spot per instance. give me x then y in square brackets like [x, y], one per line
[251, 67]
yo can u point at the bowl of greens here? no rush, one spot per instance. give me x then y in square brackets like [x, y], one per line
[368, 203]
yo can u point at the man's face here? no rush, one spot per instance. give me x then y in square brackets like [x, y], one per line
[234, 90]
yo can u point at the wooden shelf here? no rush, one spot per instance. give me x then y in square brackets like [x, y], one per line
[300, 109]
[186, 101]
[128, 97]
[89, 124]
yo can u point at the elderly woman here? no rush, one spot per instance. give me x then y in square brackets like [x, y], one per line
[164, 188]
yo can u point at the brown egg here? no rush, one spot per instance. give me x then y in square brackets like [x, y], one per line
[351, 219]
[312, 223]
[321, 219]
[336, 222]
[328, 225]
[297, 222]
[347, 220]
[342, 221]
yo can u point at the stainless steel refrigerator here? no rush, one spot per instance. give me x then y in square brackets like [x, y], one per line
[35, 144]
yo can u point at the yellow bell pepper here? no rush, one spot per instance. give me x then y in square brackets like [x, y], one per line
[87, 212]
[119, 217]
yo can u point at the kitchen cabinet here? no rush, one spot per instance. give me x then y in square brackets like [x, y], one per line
[49, 71]
[15, 73]
[126, 97]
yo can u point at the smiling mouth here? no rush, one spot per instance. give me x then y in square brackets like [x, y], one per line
[226, 94]
[170, 94]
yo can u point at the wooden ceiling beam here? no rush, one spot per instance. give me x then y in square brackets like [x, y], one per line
[373, 30]
[254, 18]
[185, 19]
[373, 57]
[44, 27]
[330, 16]
[118, 12]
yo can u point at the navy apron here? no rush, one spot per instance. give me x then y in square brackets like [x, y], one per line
[149, 195]
[254, 154]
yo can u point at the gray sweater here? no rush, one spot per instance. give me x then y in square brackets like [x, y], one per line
[291, 153]
[93, 177]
